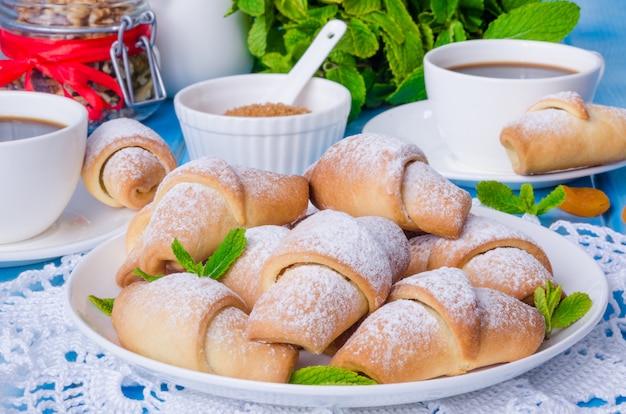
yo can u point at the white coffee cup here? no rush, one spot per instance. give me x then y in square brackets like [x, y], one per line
[39, 174]
[470, 110]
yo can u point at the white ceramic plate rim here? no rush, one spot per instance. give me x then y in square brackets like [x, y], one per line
[414, 123]
[573, 268]
[85, 223]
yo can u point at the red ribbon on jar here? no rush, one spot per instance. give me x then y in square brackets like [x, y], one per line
[65, 60]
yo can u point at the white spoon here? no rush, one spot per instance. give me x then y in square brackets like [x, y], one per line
[305, 68]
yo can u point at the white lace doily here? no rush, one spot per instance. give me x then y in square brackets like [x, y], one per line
[48, 366]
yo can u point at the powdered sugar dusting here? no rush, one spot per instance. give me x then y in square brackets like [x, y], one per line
[385, 343]
[339, 237]
[507, 269]
[307, 305]
[117, 129]
[432, 201]
[451, 290]
[183, 296]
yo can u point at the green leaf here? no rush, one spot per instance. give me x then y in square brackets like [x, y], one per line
[145, 276]
[444, 9]
[184, 258]
[509, 5]
[252, 7]
[384, 22]
[226, 253]
[358, 40]
[547, 21]
[257, 36]
[499, 196]
[527, 198]
[105, 305]
[349, 76]
[361, 7]
[571, 309]
[554, 199]
[411, 89]
[326, 375]
[559, 312]
[293, 9]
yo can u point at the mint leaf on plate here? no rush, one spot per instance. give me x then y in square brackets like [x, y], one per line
[325, 375]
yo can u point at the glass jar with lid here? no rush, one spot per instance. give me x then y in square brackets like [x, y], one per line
[99, 52]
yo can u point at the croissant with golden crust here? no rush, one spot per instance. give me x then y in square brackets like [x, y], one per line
[436, 324]
[561, 132]
[199, 203]
[327, 273]
[124, 163]
[198, 324]
[379, 175]
[492, 255]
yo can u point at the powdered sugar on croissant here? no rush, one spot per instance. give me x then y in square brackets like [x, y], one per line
[124, 163]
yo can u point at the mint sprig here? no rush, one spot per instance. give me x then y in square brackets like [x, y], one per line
[227, 252]
[105, 305]
[560, 312]
[325, 375]
[500, 197]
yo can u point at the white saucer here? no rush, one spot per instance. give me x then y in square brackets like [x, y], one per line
[414, 123]
[84, 224]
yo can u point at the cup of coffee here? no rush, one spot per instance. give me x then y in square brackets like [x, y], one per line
[42, 146]
[475, 87]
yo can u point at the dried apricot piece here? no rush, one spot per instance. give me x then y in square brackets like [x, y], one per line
[585, 201]
[624, 215]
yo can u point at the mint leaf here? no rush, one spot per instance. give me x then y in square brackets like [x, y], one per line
[548, 21]
[225, 255]
[499, 196]
[145, 276]
[554, 199]
[184, 258]
[105, 305]
[571, 309]
[559, 312]
[325, 375]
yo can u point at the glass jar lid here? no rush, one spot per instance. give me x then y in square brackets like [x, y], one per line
[68, 16]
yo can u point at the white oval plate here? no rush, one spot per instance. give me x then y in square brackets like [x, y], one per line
[574, 269]
[85, 223]
[414, 123]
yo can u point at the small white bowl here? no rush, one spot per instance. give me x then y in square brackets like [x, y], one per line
[284, 144]
[39, 174]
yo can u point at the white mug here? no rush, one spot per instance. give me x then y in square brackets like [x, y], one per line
[39, 174]
[470, 110]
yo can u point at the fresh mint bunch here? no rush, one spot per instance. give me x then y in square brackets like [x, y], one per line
[379, 59]
[500, 197]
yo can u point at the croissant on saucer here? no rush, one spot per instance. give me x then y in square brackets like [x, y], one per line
[436, 324]
[561, 132]
[379, 175]
[198, 203]
[124, 163]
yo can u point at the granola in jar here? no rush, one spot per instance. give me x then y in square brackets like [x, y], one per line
[99, 52]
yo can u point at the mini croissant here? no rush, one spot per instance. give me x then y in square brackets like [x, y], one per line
[436, 324]
[561, 132]
[378, 175]
[124, 163]
[199, 203]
